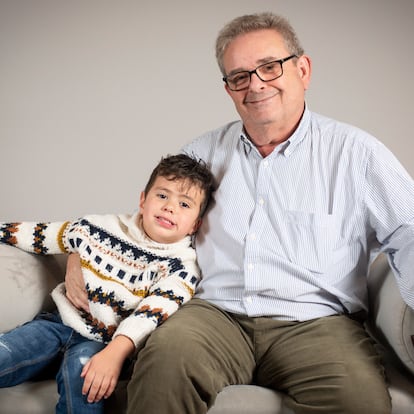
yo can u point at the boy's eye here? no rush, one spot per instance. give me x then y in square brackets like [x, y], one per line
[184, 204]
[162, 196]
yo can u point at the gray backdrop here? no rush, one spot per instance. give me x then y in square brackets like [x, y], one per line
[94, 92]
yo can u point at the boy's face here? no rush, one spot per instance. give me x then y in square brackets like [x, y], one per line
[171, 210]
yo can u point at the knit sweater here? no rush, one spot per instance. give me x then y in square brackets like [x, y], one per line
[133, 283]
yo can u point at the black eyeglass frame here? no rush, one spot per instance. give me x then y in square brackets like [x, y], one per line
[250, 72]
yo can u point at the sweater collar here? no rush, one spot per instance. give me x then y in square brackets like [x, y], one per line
[135, 230]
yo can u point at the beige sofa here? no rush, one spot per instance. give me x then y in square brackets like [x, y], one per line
[26, 281]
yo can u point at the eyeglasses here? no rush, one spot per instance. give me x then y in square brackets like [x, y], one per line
[267, 72]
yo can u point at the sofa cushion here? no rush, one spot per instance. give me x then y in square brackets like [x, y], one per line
[26, 281]
[30, 397]
[392, 320]
[247, 399]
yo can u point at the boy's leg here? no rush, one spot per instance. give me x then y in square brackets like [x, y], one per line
[188, 360]
[71, 401]
[29, 349]
[327, 365]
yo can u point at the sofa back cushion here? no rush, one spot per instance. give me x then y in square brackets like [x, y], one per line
[26, 281]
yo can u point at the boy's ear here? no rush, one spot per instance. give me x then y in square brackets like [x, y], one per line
[196, 226]
[142, 200]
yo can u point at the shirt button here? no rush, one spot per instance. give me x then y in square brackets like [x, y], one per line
[261, 201]
[249, 299]
[253, 236]
[250, 266]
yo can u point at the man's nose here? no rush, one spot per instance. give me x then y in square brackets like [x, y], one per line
[255, 81]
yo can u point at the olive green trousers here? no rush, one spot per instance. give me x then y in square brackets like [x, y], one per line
[326, 365]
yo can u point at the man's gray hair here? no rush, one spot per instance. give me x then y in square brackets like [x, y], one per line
[251, 23]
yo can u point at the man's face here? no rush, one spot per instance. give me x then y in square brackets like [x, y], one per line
[279, 102]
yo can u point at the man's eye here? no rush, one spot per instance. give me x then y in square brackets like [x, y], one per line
[239, 77]
[269, 67]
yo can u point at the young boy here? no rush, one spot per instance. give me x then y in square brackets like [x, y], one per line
[138, 270]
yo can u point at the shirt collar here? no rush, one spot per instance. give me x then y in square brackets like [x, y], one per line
[287, 147]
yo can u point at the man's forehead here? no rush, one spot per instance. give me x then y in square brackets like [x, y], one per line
[253, 49]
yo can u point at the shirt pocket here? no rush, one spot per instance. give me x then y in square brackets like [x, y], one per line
[310, 239]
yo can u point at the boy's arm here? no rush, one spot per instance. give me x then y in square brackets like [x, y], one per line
[32, 237]
[48, 238]
[164, 298]
[102, 371]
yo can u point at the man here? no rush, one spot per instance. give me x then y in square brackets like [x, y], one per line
[303, 205]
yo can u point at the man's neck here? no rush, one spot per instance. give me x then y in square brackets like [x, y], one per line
[267, 139]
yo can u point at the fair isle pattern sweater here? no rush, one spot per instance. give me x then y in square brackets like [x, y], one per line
[133, 283]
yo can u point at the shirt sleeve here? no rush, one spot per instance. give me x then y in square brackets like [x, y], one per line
[389, 199]
[33, 237]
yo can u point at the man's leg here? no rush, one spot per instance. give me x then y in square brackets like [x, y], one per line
[328, 365]
[188, 360]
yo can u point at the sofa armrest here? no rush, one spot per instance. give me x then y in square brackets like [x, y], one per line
[390, 320]
[26, 281]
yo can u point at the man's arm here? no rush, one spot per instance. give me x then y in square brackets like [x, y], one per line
[75, 285]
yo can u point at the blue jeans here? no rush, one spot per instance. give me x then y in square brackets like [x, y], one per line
[27, 352]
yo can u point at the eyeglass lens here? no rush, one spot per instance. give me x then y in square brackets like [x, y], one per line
[267, 72]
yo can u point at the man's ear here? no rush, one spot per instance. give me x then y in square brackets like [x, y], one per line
[227, 89]
[304, 66]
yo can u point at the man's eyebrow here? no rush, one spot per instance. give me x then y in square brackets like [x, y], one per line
[259, 62]
[267, 59]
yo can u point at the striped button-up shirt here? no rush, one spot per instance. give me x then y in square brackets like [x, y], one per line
[292, 235]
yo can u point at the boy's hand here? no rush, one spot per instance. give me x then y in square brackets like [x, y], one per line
[101, 374]
[102, 371]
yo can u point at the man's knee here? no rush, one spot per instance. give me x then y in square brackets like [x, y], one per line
[365, 391]
[344, 376]
[167, 349]
[369, 397]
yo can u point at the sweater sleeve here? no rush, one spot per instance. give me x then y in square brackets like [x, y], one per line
[32, 237]
[165, 298]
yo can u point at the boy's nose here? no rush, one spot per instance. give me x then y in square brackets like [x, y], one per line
[169, 207]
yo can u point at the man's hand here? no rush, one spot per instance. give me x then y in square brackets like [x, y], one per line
[75, 285]
[102, 371]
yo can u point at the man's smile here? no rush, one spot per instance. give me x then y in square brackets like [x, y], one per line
[260, 98]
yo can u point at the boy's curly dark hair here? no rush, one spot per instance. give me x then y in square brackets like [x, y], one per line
[188, 168]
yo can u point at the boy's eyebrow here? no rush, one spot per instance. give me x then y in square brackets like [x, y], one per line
[167, 190]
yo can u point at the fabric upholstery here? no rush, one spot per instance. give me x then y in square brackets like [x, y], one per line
[392, 320]
[26, 281]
